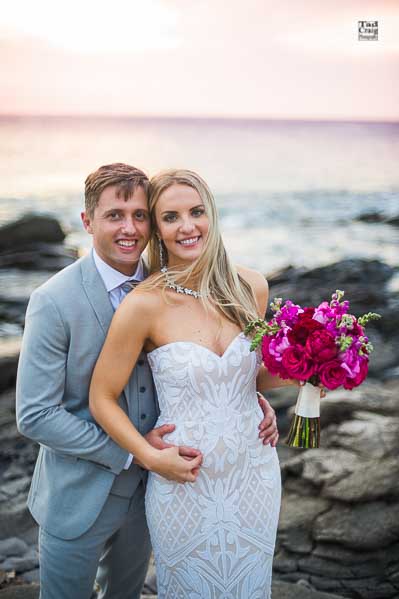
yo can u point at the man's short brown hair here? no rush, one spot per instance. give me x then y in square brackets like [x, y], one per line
[125, 177]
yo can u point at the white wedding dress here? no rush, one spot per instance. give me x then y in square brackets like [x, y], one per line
[214, 539]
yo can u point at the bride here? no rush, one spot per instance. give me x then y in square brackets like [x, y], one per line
[214, 537]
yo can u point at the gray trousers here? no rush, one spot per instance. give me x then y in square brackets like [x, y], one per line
[114, 552]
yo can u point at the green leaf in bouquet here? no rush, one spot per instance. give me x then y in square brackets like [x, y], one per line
[363, 320]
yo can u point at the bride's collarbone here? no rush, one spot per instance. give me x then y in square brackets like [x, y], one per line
[212, 338]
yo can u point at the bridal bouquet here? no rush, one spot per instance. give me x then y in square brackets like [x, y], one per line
[322, 346]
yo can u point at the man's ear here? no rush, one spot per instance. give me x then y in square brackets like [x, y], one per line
[86, 220]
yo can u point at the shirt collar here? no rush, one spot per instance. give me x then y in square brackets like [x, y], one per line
[113, 278]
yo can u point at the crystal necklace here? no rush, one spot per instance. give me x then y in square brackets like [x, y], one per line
[171, 284]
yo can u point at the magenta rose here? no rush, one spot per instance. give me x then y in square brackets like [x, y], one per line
[321, 346]
[350, 383]
[331, 374]
[297, 363]
[301, 331]
[307, 314]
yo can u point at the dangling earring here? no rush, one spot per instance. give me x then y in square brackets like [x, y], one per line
[162, 261]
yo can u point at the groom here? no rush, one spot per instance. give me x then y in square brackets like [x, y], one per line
[87, 493]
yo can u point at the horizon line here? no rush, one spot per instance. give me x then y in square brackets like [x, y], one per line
[166, 117]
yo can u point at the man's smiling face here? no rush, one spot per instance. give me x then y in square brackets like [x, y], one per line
[120, 228]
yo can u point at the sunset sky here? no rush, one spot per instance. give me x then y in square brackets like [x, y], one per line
[258, 58]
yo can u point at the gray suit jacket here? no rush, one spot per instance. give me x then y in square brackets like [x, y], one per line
[78, 464]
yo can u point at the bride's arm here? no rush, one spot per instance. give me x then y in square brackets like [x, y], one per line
[265, 381]
[130, 328]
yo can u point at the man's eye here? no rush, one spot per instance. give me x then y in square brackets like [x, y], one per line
[141, 215]
[113, 215]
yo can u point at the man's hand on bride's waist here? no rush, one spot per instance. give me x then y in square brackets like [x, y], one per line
[156, 439]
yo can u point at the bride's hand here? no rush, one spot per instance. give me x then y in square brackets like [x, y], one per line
[172, 466]
[156, 438]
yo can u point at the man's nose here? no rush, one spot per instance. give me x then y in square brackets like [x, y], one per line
[129, 226]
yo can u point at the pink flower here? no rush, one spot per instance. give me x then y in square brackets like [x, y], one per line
[331, 374]
[350, 361]
[297, 363]
[350, 383]
[269, 359]
[278, 343]
[323, 312]
[321, 346]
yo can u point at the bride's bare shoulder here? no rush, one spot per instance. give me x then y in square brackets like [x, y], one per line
[257, 281]
[145, 299]
[259, 286]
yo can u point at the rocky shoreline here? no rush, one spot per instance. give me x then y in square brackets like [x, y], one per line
[339, 526]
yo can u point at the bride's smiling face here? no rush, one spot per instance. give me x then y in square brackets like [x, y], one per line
[182, 223]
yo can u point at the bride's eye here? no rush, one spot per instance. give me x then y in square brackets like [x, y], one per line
[198, 211]
[169, 218]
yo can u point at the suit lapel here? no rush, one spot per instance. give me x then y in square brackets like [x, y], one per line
[96, 292]
[97, 295]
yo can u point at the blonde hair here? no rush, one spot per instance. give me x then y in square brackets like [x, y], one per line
[218, 281]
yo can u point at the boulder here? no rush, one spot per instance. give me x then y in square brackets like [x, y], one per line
[286, 590]
[31, 228]
[367, 433]
[9, 355]
[371, 217]
[365, 526]
[38, 256]
[371, 480]
[35, 242]
[22, 591]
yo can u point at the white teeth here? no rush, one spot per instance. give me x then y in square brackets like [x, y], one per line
[127, 244]
[189, 241]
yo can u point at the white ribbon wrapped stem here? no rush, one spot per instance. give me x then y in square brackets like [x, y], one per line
[308, 402]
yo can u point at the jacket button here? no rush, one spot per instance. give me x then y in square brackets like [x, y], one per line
[142, 389]
[140, 362]
[143, 416]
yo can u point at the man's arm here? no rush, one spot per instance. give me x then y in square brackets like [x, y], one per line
[41, 380]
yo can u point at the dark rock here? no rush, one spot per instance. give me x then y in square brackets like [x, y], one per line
[31, 228]
[296, 520]
[9, 354]
[371, 525]
[23, 591]
[284, 561]
[371, 217]
[362, 281]
[39, 256]
[297, 512]
[394, 220]
[31, 536]
[371, 396]
[19, 564]
[362, 588]
[286, 590]
[372, 480]
[344, 555]
[13, 547]
[31, 576]
[330, 569]
[324, 465]
[14, 518]
[368, 433]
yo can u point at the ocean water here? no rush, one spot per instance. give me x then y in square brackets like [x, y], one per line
[287, 192]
